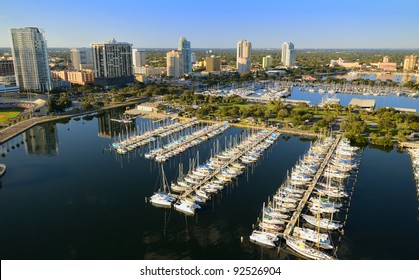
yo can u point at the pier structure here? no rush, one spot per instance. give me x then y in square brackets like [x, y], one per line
[145, 138]
[296, 215]
[226, 164]
[165, 151]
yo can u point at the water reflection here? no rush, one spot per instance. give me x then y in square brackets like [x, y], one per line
[41, 140]
[109, 128]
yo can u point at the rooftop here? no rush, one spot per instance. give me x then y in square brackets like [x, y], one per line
[363, 103]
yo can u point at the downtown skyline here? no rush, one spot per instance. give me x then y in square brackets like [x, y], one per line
[321, 24]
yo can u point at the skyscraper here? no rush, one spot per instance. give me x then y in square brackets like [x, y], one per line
[138, 58]
[244, 56]
[175, 65]
[29, 49]
[288, 54]
[185, 47]
[267, 61]
[409, 62]
[112, 63]
[82, 58]
[193, 57]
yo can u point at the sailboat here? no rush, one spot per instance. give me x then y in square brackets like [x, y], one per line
[264, 238]
[322, 239]
[163, 197]
[302, 248]
[187, 207]
[2, 169]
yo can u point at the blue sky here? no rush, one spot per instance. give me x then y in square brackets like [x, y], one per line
[218, 24]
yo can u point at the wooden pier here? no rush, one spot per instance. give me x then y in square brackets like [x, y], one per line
[296, 216]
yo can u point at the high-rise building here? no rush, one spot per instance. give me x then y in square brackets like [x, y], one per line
[175, 67]
[193, 57]
[386, 59]
[267, 61]
[212, 63]
[244, 56]
[409, 62]
[288, 54]
[185, 47]
[6, 68]
[81, 58]
[29, 48]
[112, 63]
[138, 58]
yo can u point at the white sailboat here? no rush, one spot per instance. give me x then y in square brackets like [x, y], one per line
[314, 236]
[186, 207]
[323, 223]
[263, 237]
[163, 197]
[302, 248]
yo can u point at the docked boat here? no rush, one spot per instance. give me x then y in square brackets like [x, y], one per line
[322, 239]
[322, 223]
[302, 248]
[2, 169]
[265, 239]
[163, 198]
[186, 207]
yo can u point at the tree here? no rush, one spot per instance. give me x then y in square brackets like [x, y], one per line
[282, 114]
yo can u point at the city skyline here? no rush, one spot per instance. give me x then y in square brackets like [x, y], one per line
[319, 24]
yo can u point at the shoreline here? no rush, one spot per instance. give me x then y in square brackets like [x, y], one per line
[14, 130]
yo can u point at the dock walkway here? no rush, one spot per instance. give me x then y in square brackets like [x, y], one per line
[296, 216]
[198, 134]
[227, 163]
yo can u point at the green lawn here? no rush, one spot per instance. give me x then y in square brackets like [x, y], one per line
[6, 114]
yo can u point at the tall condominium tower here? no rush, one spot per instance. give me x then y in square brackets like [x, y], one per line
[29, 49]
[288, 54]
[112, 63]
[185, 47]
[409, 62]
[267, 61]
[81, 58]
[244, 56]
[138, 58]
[175, 67]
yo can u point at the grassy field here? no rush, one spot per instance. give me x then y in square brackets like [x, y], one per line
[6, 114]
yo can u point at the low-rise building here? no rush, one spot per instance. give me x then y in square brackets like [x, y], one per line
[147, 107]
[365, 104]
[345, 64]
[81, 77]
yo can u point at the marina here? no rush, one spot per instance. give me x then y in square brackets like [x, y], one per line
[205, 180]
[328, 159]
[148, 135]
[414, 154]
[103, 194]
[185, 142]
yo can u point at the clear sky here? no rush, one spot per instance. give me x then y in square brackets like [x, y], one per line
[218, 24]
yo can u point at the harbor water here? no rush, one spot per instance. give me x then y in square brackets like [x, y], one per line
[65, 195]
[390, 100]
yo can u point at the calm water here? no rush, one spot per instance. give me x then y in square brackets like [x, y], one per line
[395, 77]
[390, 100]
[66, 197]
